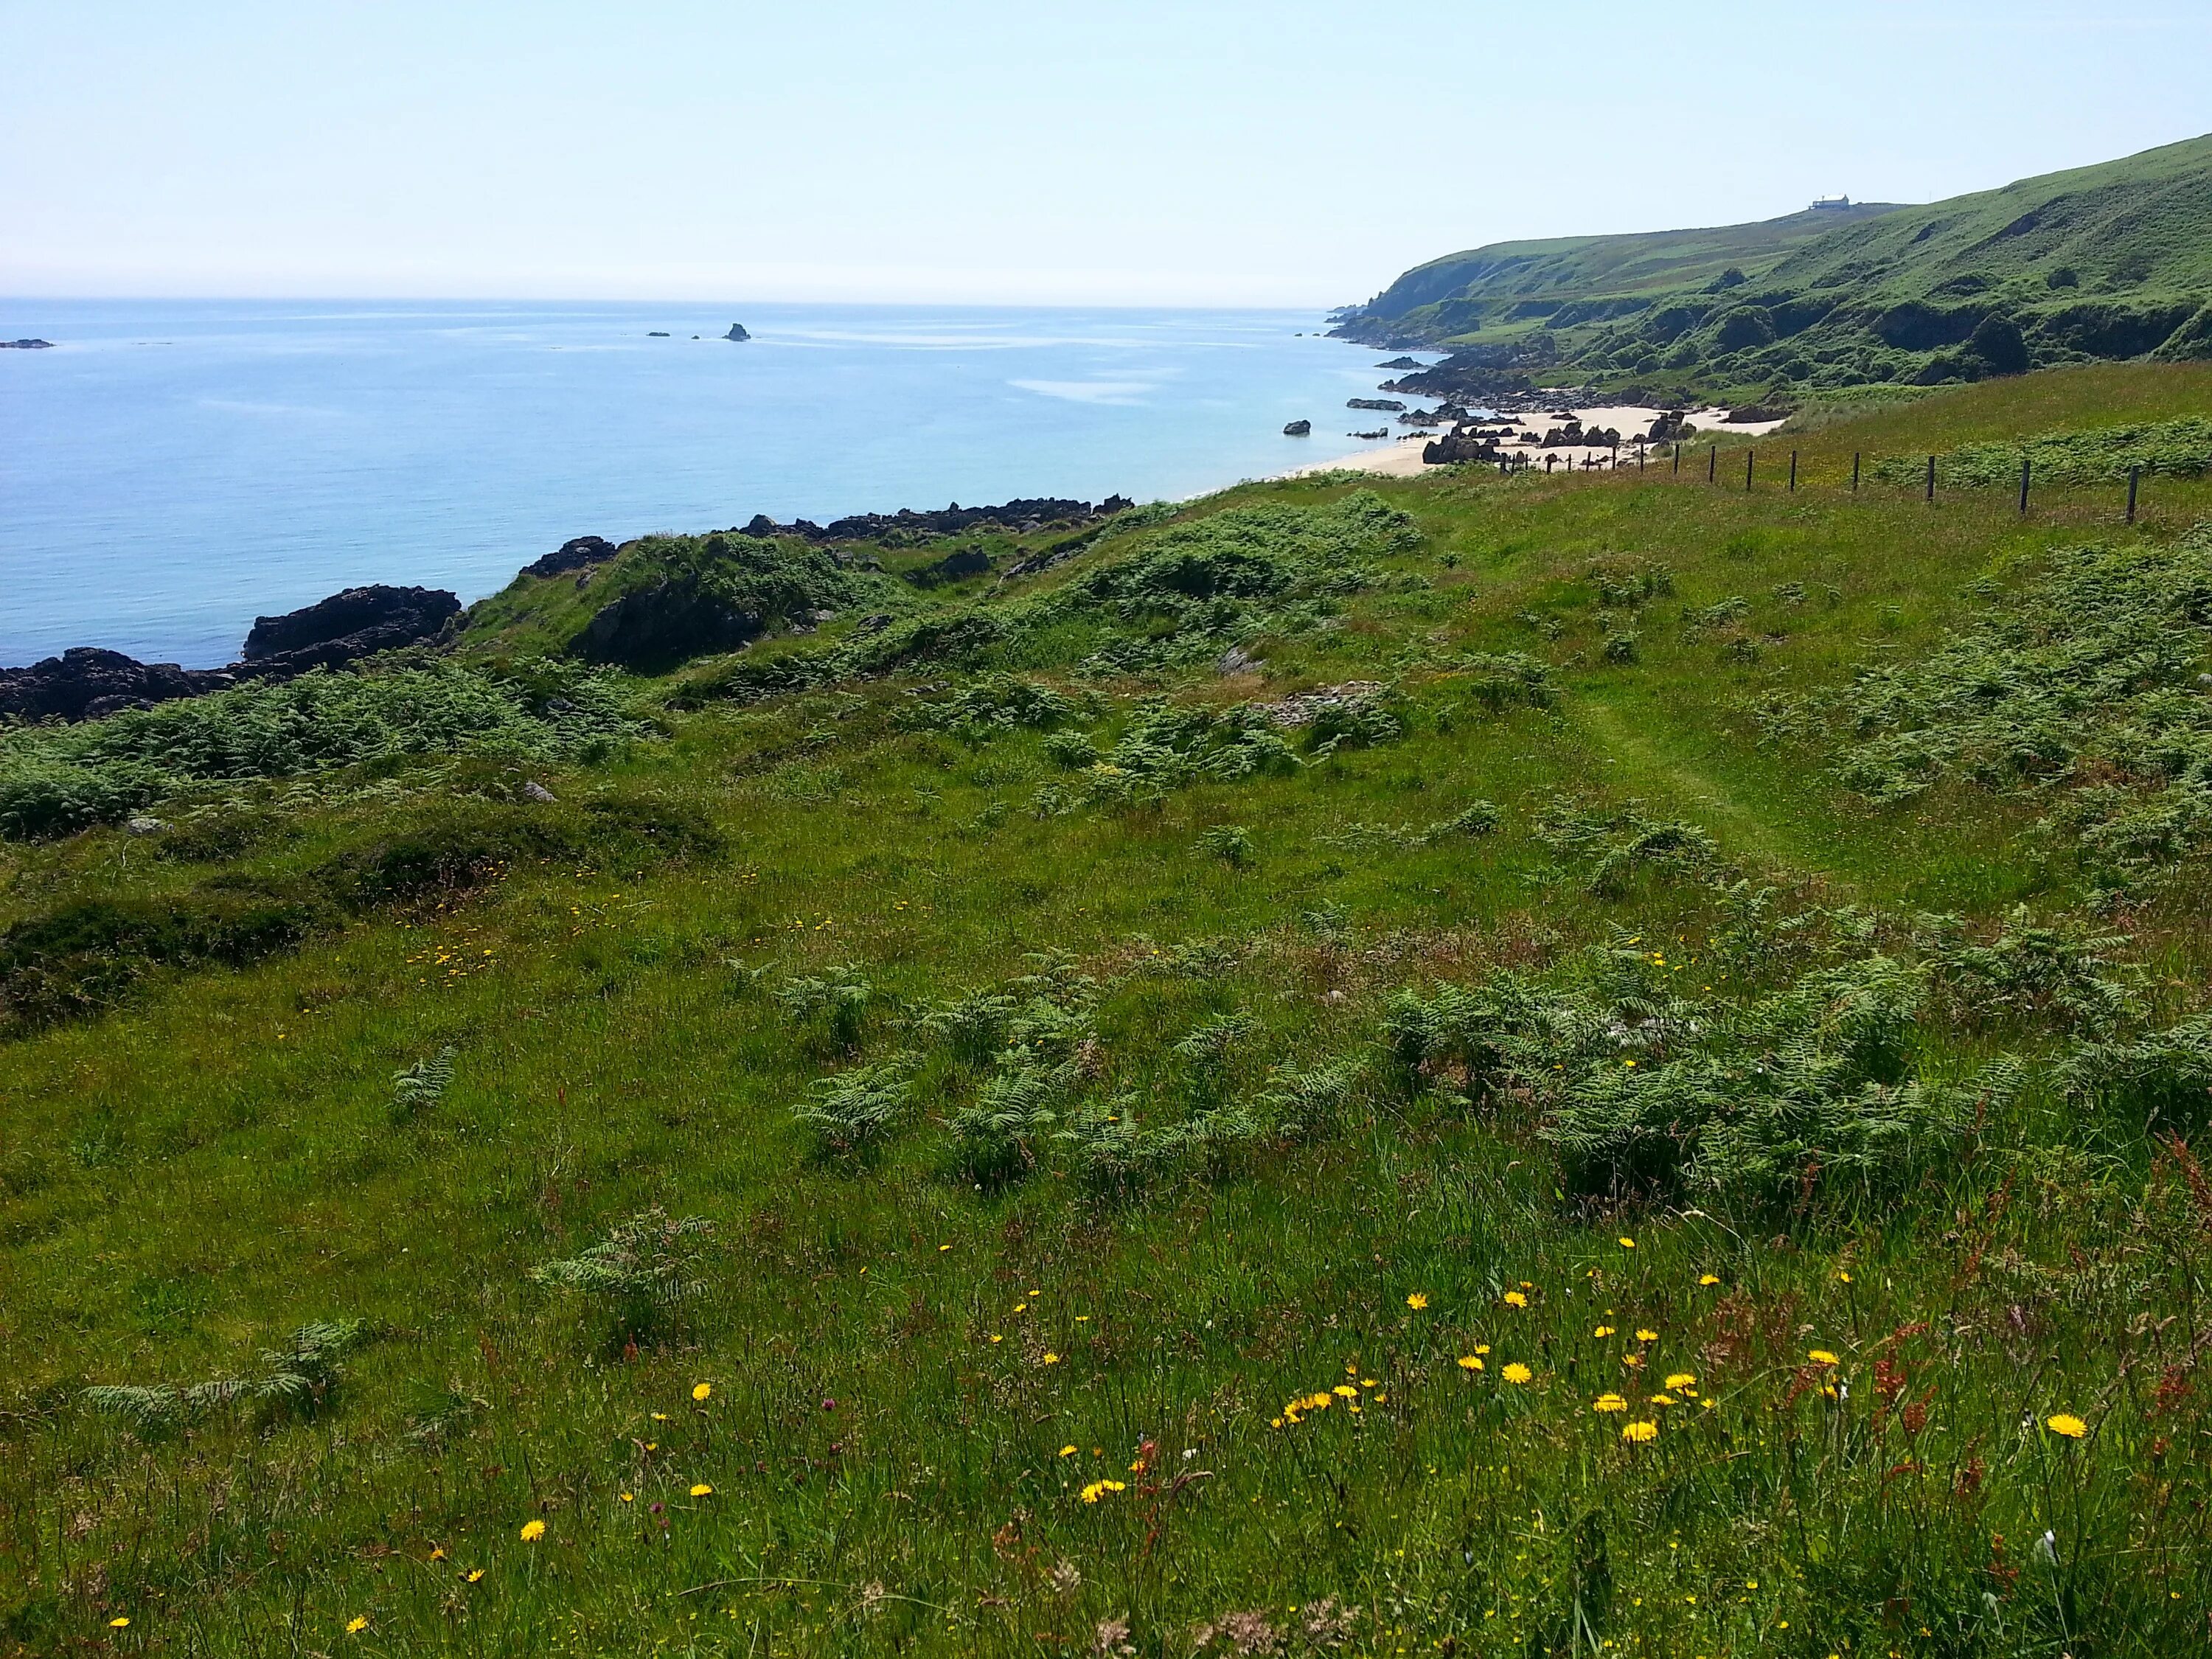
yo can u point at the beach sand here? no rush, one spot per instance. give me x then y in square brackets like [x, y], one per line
[1402, 459]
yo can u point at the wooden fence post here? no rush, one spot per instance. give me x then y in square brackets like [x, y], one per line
[1677, 458]
[1748, 456]
[1712, 462]
[2135, 477]
[1855, 472]
[1931, 477]
[1793, 472]
[2023, 485]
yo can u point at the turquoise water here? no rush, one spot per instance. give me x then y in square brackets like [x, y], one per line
[174, 469]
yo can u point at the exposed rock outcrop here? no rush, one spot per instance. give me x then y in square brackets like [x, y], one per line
[344, 627]
[669, 623]
[1298, 428]
[85, 682]
[1027, 512]
[27, 345]
[737, 332]
[574, 554]
[952, 568]
[1390, 405]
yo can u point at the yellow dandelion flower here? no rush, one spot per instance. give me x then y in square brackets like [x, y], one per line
[2067, 1424]
[1710, 1278]
[1417, 1300]
[1515, 1299]
[1626, 1243]
[355, 1625]
[1068, 1451]
[1681, 1379]
[1482, 1347]
[1639, 1432]
[1647, 1336]
[702, 1490]
[533, 1531]
[1609, 1402]
[629, 1498]
[1844, 1277]
[118, 1623]
[1518, 1372]
[1468, 1362]
[1099, 1489]
[1051, 1359]
[1662, 1398]
[438, 1554]
[702, 1391]
[1822, 1357]
[1602, 1330]
[1344, 1391]
[474, 1575]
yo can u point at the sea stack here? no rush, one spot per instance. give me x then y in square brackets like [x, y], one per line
[1298, 428]
[737, 332]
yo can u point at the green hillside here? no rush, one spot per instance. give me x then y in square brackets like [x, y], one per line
[2098, 263]
[1523, 1066]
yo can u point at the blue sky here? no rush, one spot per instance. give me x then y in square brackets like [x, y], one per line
[1291, 152]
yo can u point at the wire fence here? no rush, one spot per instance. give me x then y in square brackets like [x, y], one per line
[1670, 458]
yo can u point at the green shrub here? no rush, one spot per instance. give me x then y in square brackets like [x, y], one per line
[298, 1377]
[853, 1113]
[57, 780]
[2079, 692]
[2161, 1081]
[418, 1087]
[1230, 843]
[837, 1003]
[2178, 448]
[644, 1270]
[999, 1138]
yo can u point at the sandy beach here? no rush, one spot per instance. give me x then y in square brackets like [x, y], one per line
[1402, 459]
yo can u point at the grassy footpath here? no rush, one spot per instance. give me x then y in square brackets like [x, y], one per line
[1007, 1149]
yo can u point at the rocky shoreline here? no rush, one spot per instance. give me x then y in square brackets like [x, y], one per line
[87, 683]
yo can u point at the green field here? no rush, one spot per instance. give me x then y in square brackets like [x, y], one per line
[2098, 263]
[1474, 1065]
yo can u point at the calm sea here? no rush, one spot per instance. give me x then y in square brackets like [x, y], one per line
[174, 469]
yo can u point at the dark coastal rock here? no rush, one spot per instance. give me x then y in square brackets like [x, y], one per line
[85, 682]
[952, 568]
[1401, 363]
[664, 624]
[656, 334]
[344, 627]
[1390, 405]
[1298, 428]
[1672, 426]
[1757, 412]
[27, 345]
[575, 554]
[737, 332]
[1379, 432]
[1027, 512]
[1454, 446]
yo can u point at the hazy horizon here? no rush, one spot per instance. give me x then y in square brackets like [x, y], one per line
[1297, 155]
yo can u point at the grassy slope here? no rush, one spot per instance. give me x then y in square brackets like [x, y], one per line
[897, 1360]
[1530, 278]
[2106, 262]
